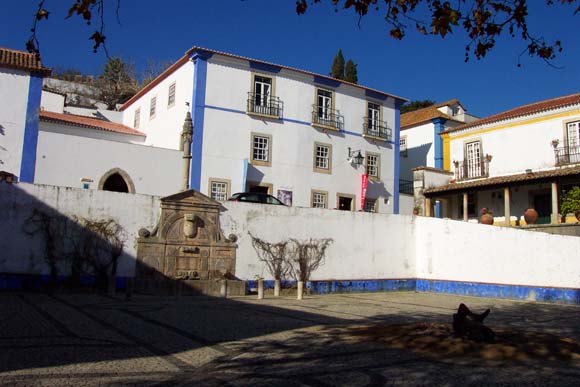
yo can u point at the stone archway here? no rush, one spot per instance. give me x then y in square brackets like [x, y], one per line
[117, 180]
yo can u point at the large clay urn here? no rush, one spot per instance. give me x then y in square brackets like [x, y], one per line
[531, 216]
[486, 218]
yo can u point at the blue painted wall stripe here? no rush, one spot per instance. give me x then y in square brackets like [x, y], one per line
[30, 141]
[330, 82]
[397, 156]
[199, 88]
[260, 66]
[439, 127]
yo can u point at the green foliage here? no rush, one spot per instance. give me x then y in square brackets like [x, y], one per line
[350, 73]
[416, 105]
[117, 83]
[571, 201]
[337, 70]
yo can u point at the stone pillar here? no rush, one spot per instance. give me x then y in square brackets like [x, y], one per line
[506, 206]
[465, 209]
[260, 289]
[300, 290]
[186, 138]
[554, 217]
[428, 207]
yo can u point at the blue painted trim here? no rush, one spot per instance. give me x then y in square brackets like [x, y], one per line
[397, 156]
[305, 123]
[223, 109]
[361, 286]
[518, 292]
[330, 82]
[30, 140]
[198, 99]
[269, 68]
[39, 281]
[439, 127]
[438, 209]
[199, 53]
[245, 175]
[375, 95]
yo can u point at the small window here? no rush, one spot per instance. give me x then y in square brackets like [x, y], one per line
[137, 118]
[319, 199]
[373, 166]
[219, 189]
[370, 205]
[322, 158]
[152, 108]
[324, 104]
[373, 116]
[171, 95]
[403, 146]
[262, 90]
[261, 149]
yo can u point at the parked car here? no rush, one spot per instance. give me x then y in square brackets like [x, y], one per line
[255, 197]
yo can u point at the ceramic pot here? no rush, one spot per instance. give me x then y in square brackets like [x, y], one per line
[531, 216]
[486, 219]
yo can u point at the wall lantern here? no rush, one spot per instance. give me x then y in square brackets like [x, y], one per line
[356, 159]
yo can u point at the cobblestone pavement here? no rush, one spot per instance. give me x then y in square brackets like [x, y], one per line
[80, 339]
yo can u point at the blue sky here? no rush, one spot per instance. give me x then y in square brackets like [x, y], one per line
[417, 67]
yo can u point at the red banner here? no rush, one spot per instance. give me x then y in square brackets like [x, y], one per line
[363, 191]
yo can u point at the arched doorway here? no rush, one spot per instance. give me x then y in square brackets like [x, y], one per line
[117, 180]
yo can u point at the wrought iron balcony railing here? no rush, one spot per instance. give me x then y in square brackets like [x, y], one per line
[406, 187]
[377, 129]
[265, 105]
[567, 155]
[471, 169]
[327, 118]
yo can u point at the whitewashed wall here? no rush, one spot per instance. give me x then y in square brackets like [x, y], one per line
[52, 102]
[420, 149]
[64, 159]
[13, 104]
[517, 146]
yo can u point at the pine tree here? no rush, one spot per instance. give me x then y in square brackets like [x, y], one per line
[337, 70]
[350, 72]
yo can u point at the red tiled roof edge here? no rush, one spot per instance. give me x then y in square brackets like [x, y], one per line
[22, 60]
[88, 122]
[525, 110]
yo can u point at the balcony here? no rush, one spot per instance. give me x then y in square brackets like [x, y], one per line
[265, 105]
[377, 130]
[327, 118]
[472, 169]
[406, 187]
[567, 155]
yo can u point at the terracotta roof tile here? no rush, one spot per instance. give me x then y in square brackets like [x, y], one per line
[502, 180]
[87, 122]
[21, 60]
[424, 115]
[533, 108]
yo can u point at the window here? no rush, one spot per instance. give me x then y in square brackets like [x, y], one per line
[219, 189]
[403, 146]
[473, 159]
[373, 116]
[324, 104]
[370, 205]
[573, 134]
[322, 158]
[319, 199]
[171, 95]
[261, 149]
[137, 118]
[373, 166]
[152, 107]
[262, 90]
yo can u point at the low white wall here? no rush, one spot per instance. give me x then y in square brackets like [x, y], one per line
[459, 251]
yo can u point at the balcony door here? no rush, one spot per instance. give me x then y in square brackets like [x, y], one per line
[262, 90]
[572, 151]
[324, 104]
[473, 157]
[374, 117]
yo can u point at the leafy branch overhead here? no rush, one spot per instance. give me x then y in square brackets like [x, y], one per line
[484, 21]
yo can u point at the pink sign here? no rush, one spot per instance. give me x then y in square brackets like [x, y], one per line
[363, 191]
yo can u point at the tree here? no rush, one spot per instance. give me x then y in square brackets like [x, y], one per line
[350, 73]
[484, 21]
[117, 83]
[416, 105]
[337, 70]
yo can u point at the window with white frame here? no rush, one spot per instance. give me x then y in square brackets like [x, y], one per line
[319, 199]
[324, 104]
[370, 205]
[322, 158]
[152, 107]
[373, 116]
[403, 146]
[137, 118]
[262, 90]
[219, 189]
[171, 95]
[261, 147]
[473, 159]
[373, 165]
[573, 134]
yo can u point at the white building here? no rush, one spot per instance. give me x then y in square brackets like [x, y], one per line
[523, 158]
[265, 127]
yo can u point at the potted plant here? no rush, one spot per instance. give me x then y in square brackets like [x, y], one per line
[571, 202]
[486, 216]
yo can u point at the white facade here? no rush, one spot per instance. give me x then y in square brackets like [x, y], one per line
[13, 102]
[223, 130]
